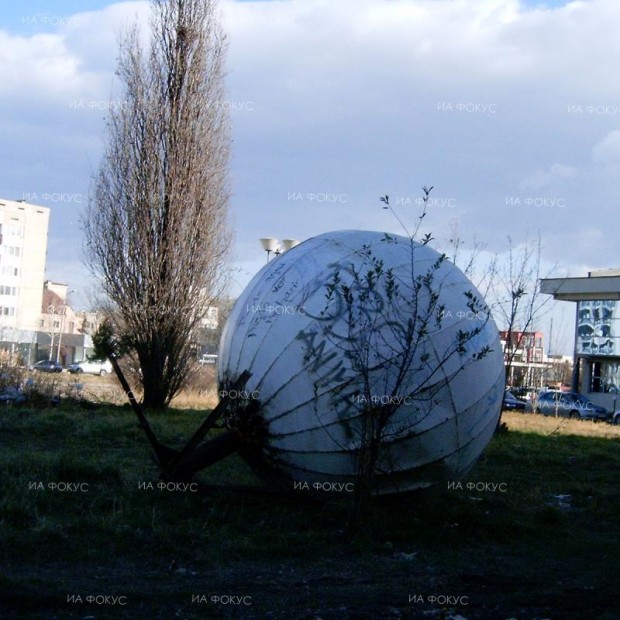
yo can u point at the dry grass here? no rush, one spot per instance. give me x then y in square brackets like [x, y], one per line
[201, 392]
[547, 425]
[192, 398]
[104, 390]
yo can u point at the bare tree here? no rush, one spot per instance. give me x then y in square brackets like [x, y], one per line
[518, 302]
[468, 260]
[509, 285]
[156, 225]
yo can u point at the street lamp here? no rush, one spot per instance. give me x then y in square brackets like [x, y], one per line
[62, 323]
[51, 309]
[288, 244]
[270, 244]
[63, 314]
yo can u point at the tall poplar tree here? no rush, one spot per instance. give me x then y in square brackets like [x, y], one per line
[156, 226]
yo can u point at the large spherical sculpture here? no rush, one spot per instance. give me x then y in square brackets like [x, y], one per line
[363, 348]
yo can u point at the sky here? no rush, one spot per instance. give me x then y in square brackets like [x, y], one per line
[509, 108]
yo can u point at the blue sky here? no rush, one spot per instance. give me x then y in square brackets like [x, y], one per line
[510, 109]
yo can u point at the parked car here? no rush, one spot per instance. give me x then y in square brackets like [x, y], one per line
[521, 392]
[47, 366]
[570, 404]
[615, 418]
[512, 403]
[94, 367]
[208, 358]
[533, 401]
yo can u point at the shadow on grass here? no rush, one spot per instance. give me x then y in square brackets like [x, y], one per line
[549, 531]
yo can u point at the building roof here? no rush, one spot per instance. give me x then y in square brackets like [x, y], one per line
[596, 287]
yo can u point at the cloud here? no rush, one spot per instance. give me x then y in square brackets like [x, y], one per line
[76, 59]
[556, 174]
[607, 151]
[509, 110]
[40, 65]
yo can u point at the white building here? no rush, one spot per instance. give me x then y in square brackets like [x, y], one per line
[23, 249]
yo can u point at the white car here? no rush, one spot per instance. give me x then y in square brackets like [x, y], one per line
[94, 367]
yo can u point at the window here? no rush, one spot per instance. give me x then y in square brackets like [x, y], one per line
[13, 231]
[596, 326]
[605, 377]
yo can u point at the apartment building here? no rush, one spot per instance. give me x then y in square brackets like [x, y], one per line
[526, 354]
[23, 249]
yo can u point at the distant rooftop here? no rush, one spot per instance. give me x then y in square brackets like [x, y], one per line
[601, 273]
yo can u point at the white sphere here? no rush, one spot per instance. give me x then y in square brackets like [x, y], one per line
[303, 346]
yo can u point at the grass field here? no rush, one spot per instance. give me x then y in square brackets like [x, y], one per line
[534, 536]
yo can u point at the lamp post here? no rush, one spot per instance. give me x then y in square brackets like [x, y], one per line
[64, 307]
[270, 244]
[63, 313]
[51, 309]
